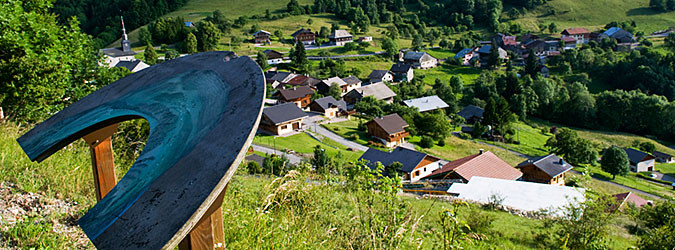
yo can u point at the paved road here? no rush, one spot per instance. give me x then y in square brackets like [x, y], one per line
[663, 177]
[345, 56]
[624, 187]
[317, 128]
[293, 159]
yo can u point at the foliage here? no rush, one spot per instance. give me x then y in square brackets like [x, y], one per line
[168, 30]
[150, 55]
[335, 91]
[190, 44]
[567, 144]
[659, 222]
[389, 46]
[144, 35]
[581, 226]
[615, 161]
[498, 115]
[426, 142]
[320, 161]
[299, 58]
[254, 168]
[35, 233]
[370, 106]
[455, 229]
[276, 165]
[647, 147]
[434, 124]
[261, 59]
[208, 34]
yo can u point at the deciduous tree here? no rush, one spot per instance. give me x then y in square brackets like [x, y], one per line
[615, 161]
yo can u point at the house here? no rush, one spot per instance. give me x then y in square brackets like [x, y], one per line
[420, 60]
[506, 42]
[133, 66]
[379, 91]
[483, 164]
[528, 37]
[428, 103]
[380, 76]
[640, 161]
[465, 55]
[351, 83]
[402, 72]
[304, 36]
[340, 37]
[549, 169]
[365, 39]
[540, 47]
[301, 80]
[569, 42]
[111, 56]
[415, 165]
[278, 79]
[663, 157]
[484, 54]
[299, 95]
[618, 34]
[628, 199]
[262, 37]
[471, 114]
[581, 35]
[329, 107]
[520, 195]
[273, 56]
[545, 71]
[389, 129]
[189, 24]
[282, 119]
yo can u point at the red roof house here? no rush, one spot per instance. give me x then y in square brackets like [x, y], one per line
[484, 164]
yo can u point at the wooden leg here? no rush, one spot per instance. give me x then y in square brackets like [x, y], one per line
[102, 160]
[209, 232]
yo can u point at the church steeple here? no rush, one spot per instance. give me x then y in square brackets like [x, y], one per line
[126, 45]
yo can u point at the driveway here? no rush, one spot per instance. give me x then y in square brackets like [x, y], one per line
[293, 159]
[663, 177]
[313, 124]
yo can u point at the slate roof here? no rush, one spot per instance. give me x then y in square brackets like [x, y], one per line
[408, 158]
[336, 79]
[635, 156]
[351, 80]
[328, 101]
[283, 113]
[400, 68]
[282, 76]
[471, 111]
[611, 31]
[302, 30]
[550, 164]
[377, 74]
[427, 103]
[378, 91]
[339, 34]
[660, 154]
[391, 124]
[295, 92]
[463, 53]
[417, 56]
[485, 49]
[130, 65]
[486, 164]
[261, 31]
[273, 54]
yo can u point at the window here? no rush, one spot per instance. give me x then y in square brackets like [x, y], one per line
[284, 126]
[425, 169]
[417, 173]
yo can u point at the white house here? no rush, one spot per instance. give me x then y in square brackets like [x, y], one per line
[640, 161]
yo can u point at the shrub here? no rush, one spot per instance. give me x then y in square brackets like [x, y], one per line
[426, 142]
[465, 136]
[441, 143]
[354, 137]
[253, 167]
[336, 129]
[479, 221]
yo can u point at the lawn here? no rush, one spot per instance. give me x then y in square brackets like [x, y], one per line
[532, 141]
[631, 180]
[348, 129]
[666, 168]
[445, 71]
[304, 144]
[195, 10]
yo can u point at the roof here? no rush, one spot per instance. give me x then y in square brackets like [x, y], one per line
[391, 124]
[295, 92]
[378, 91]
[551, 164]
[302, 30]
[509, 40]
[262, 31]
[660, 154]
[575, 31]
[471, 111]
[535, 43]
[525, 196]
[378, 74]
[417, 56]
[427, 103]
[463, 53]
[255, 158]
[117, 52]
[484, 164]
[629, 197]
[339, 34]
[636, 156]
[130, 65]
[407, 157]
[328, 101]
[283, 112]
[351, 80]
[400, 68]
[611, 31]
[336, 79]
[273, 54]
[569, 39]
[485, 49]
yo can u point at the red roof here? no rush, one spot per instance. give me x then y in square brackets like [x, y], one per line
[485, 165]
[298, 80]
[569, 39]
[629, 197]
[576, 31]
[510, 40]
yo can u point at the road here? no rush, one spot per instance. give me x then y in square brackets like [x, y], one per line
[293, 159]
[345, 56]
[317, 128]
[624, 187]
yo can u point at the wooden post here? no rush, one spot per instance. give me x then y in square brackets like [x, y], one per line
[209, 232]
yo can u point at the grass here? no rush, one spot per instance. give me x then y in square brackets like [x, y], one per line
[631, 180]
[304, 144]
[668, 169]
[446, 71]
[456, 148]
[195, 10]
[532, 141]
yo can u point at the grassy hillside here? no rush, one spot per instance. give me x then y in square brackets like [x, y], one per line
[596, 13]
[195, 10]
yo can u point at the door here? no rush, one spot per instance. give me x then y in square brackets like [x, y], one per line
[296, 125]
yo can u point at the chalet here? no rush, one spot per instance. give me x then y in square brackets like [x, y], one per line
[415, 165]
[365, 39]
[329, 107]
[663, 157]
[111, 56]
[301, 80]
[628, 199]
[581, 35]
[471, 114]
[428, 103]
[402, 72]
[484, 54]
[352, 82]
[465, 56]
[618, 34]
[304, 36]
[298, 95]
[389, 129]
[346, 86]
[549, 169]
[527, 38]
[278, 79]
[419, 60]
[506, 42]
[340, 37]
[379, 91]
[540, 47]
[483, 164]
[569, 42]
[133, 66]
[262, 37]
[380, 76]
[640, 161]
[273, 56]
[282, 119]
[519, 195]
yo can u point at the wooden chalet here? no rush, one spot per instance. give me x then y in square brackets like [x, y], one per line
[340, 37]
[581, 34]
[304, 36]
[549, 169]
[299, 95]
[389, 129]
[282, 119]
[329, 107]
[414, 165]
[262, 37]
[483, 164]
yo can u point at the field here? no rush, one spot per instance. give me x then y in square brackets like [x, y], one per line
[532, 141]
[195, 10]
[595, 14]
[304, 144]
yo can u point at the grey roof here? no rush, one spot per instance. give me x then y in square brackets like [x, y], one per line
[302, 30]
[351, 80]
[378, 74]
[339, 34]
[130, 65]
[283, 112]
[296, 92]
[486, 50]
[262, 31]
[391, 124]
[551, 164]
[611, 31]
[336, 79]
[426, 103]
[636, 156]
[400, 68]
[328, 101]
[117, 52]
[282, 77]
[471, 111]
[463, 52]
[408, 158]
[417, 56]
[378, 90]
[273, 54]
[660, 154]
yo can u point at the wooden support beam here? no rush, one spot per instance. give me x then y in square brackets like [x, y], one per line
[209, 232]
[102, 159]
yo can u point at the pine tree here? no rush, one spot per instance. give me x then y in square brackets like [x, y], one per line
[493, 58]
[261, 59]
[191, 44]
[531, 64]
[150, 55]
[299, 57]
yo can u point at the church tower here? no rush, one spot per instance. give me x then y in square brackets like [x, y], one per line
[126, 45]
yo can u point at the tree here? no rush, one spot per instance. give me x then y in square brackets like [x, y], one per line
[144, 35]
[310, 21]
[293, 7]
[261, 59]
[658, 4]
[531, 64]
[417, 43]
[513, 13]
[390, 47]
[335, 91]
[299, 58]
[647, 147]
[320, 160]
[191, 44]
[324, 32]
[567, 144]
[426, 142]
[209, 35]
[584, 225]
[615, 161]
[279, 34]
[498, 115]
[254, 168]
[669, 41]
[552, 28]
[150, 55]
[370, 106]
[493, 57]
[457, 84]
[171, 54]
[434, 124]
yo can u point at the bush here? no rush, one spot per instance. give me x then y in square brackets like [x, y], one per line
[254, 168]
[354, 137]
[441, 143]
[479, 221]
[426, 142]
[336, 129]
[465, 136]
